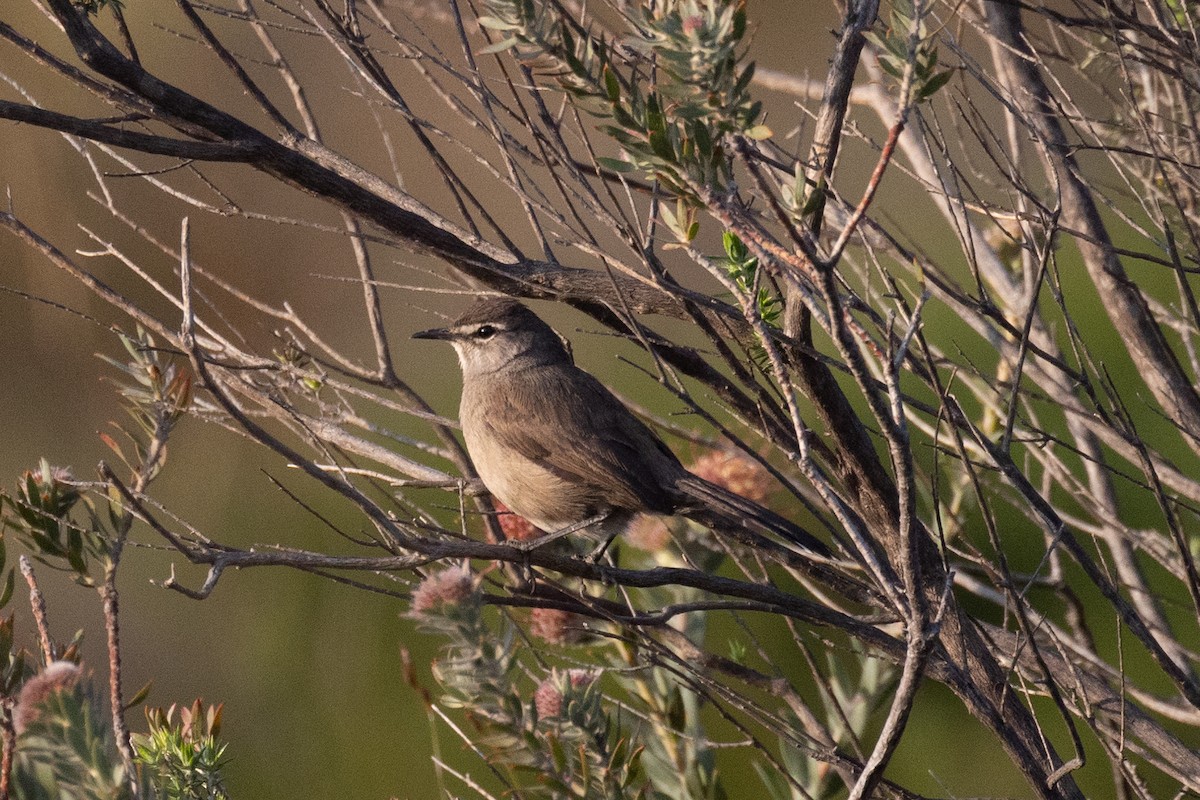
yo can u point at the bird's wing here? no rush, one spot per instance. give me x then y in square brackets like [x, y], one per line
[611, 452]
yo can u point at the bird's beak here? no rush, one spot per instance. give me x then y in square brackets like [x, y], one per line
[434, 333]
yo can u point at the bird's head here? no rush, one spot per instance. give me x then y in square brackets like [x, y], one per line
[498, 332]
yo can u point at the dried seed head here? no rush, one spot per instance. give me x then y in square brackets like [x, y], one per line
[445, 588]
[514, 525]
[555, 626]
[58, 676]
[735, 472]
[549, 695]
[648, 532]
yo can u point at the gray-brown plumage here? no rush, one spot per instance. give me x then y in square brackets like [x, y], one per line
[556, 447]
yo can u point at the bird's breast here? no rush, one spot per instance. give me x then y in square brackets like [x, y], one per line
[522, 482]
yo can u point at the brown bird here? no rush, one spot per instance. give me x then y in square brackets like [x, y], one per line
[559, 449]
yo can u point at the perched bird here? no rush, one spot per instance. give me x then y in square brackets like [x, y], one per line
[559, 449]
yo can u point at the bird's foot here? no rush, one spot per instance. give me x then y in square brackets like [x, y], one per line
[529, 545]
[598, 553]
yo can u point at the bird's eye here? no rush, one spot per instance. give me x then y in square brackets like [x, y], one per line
[485, 332]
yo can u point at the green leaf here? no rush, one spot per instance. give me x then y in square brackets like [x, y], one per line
[744, 79]
[496, 24]
[624, 119]
[739, 24]
[672, 218]
[6, 634]
[616, 164]
[735, 249]
[754, 110]
[7, 594]
[935, 83]
[816, 200]
[892, 67]
[703, 140]
[140, 696]
[612, 85]
[499, 47]
[676, 713]
[661, 145]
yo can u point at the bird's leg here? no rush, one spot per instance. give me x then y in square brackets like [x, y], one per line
[533, 544]
[600, 550]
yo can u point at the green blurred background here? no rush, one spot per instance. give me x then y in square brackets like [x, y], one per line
[310, 671]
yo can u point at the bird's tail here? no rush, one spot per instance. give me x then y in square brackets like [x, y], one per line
[721, 508]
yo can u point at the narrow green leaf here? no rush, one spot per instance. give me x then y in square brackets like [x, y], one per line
[739, 23]
[624, 119]
[496, 24]
[140, 696]
[616, 164]
[935, 83]
[661, 145]
[892, 67]
[499, 47]
[676, 713]
[7, 594]
[703, 140]
[611, 84]
[816, 200]
[6, 634]
[744, 79]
